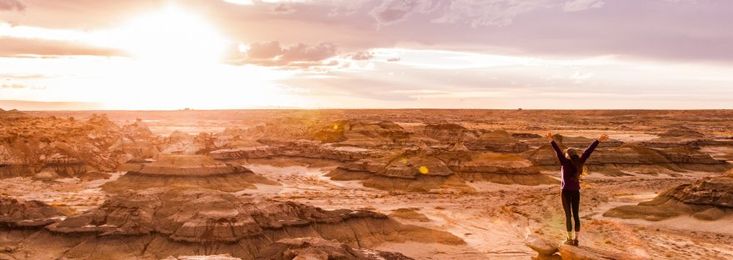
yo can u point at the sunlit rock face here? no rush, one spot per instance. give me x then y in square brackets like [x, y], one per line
[428, 169]
[615, 158]
[297, 149]
[706, 199]
[362, 133]
[172, 222]
[186, 171]
[70, 147]
[317, 248]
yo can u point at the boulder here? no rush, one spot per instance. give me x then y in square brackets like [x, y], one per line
[542, 246]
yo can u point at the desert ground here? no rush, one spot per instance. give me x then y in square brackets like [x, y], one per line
[361, 184]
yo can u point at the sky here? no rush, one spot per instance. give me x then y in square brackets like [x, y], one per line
[498, 54]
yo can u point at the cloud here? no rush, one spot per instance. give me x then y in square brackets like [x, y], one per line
[9, 76]
[488, 12]
[361, 55]
[303, 52]
[298, 55]
[391, 11]
[13, 85]
[11, 5]
[581, 5]
[14, 47]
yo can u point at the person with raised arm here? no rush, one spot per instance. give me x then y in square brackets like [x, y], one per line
[572, 166]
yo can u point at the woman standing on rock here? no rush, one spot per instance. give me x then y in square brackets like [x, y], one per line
[572, 168]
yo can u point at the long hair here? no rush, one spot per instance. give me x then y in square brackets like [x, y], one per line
[572, 155]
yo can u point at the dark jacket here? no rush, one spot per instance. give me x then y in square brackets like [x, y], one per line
[570, 174]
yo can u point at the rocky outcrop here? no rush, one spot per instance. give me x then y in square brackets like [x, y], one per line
[68, 146]
[299, 149]
[636, 158]
[186, 171]
[547, 250]
[28, 214]
[680, 131]
[568, 252]
[449, 133]
[318, 248]
[158, 223]
[707, 199]
[361, 133]
[497, 141]
[495, 167]
[427, 169]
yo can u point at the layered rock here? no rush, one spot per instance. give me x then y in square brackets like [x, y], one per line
[362, 133]
[498, 168]
[680, 131]
[318, 248]
[587, 253]
[70, 147]
[411, 170]
[426, 169]
[449, 133]
[298, 148]
[707, 199]
[186, 171]
[20, 213]
[547, 250]
[637, 158]
[497, 141]
[178, 222]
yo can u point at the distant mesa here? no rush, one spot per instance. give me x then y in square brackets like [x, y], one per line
[186, 171]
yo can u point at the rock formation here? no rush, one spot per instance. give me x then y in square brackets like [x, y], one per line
[318, 248]
[425, 170]
[178, 222]
[186, 171]
[29, 145]
[634, 157]
[547, 250]
[20, 213]
[707, 199]
[497, 141]
[362, 133]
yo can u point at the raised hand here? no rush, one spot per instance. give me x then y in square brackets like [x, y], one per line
[549, 136]
[603, 138]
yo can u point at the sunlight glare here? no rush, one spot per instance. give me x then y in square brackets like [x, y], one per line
[172, 35]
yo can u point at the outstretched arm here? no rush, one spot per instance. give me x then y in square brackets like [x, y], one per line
[558, 151]
[588, 151]
[555, 147]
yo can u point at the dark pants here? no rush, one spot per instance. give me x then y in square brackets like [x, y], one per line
[571, 204]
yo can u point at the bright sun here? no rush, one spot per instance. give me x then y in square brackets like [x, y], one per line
[171, 35]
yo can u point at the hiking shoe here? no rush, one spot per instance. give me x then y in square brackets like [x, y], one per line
[575, 242]
[568, 242]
